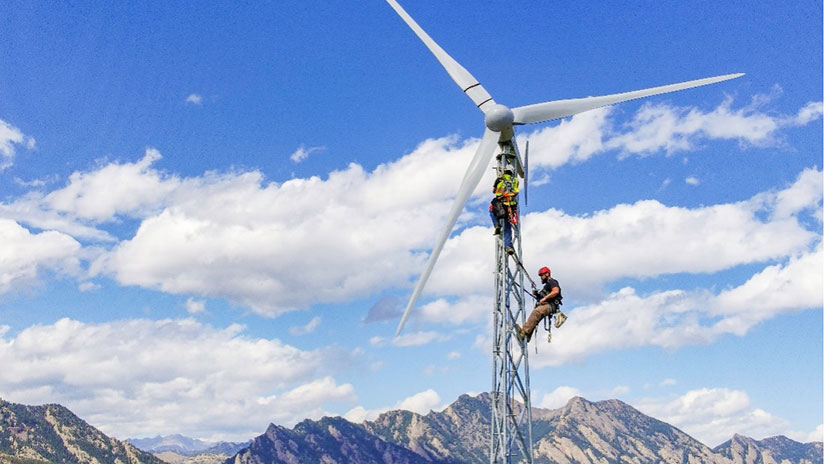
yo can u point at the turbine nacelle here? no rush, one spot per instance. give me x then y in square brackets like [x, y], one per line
[499, 118]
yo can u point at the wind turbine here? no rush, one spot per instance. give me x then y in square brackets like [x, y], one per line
[500, 122]
[511, 422]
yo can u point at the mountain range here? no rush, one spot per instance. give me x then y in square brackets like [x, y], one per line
[580, 432]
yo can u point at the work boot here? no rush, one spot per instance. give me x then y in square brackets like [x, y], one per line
[519, 333]
[497, 230]
[560, 318]
[510, 250]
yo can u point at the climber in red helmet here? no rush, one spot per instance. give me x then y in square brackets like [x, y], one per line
[548, 300]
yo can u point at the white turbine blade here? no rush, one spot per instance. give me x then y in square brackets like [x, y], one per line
[562, 108]
[475, 171]
[469, 84]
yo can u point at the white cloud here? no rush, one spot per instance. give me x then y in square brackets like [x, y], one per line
[659, 127]
[619, 390]
[131, 189]
[694, 181]
[303, 153]
[807, 436]
[359, 414]
[473, 308]
[103, 195]
[667, 382]
[776, 289]
[220, 236]
[452, 355]
[37, 183]
[816, 435]
[573, 140]
[807, 114]
[194, 306]
[559, 397]
[419, 338]
[141, 377]
[194, 99]
[632, 241]
[255, 243]
[420, 403]
[9, 137]
[804, 194]
[675, 318]
[714, 415]
[24, 255]
[308, 328]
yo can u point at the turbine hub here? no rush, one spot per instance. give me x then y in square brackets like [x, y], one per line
[499, 118]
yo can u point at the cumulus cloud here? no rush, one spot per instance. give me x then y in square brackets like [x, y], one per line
[559, 397]
[141, 377]
[11, 136]
[815, 435]
[308, 328]
[675, 318]
[473, 308]
[421, 403]
[692, 180]
[194, 99]
[640, 240]
[194, 306]
[303, 153]
[25, 255]
[659, 127]
[130, 189]
[237, 236]
[105, 194]
[714, 415]
[257, 244]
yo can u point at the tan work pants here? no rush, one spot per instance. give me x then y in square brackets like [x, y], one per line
[536, 316]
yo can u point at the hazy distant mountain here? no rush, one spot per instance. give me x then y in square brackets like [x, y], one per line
[51, 433]
[176, 443]
[770, 450]
[581, 432]
[185, 446]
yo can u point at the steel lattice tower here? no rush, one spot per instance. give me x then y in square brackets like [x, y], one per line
[511, 438]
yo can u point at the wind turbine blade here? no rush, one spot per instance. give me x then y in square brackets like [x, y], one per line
[562, 108]
[469, 84]
[475, 171]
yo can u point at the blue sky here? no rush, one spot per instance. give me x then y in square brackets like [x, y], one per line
[211, 217]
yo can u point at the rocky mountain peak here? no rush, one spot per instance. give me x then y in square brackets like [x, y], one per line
[52, 433]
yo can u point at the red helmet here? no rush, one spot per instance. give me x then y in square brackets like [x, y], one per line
[544, 270]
